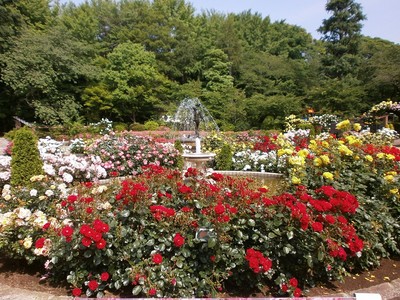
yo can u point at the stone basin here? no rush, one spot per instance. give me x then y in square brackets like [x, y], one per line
[197, 160]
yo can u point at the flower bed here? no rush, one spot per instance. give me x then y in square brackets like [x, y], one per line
[164, 235]
[167, 234]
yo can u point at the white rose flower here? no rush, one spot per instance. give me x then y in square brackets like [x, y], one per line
[67, 177]
[27, 243]
[49, 193]
[33, 192]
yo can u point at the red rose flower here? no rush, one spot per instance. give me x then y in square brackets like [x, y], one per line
[233, 210]
[88, 184]
[67, 231]
[101, 244]
[89, 210]
[297, 292]
[46, 226]
[219, 209]
[104, 276]
[317, 226]
[186, 209]
[93, 285]
[157, 258]
[40, 242]
[179, 240]
[284, 287]
[330, 219]
[293, 282]
[86, 241]
[152, 292]
[72, 198]
[76, 292]
[96, 236]
[85, 230]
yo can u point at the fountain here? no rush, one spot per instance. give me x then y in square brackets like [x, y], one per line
[193, 117]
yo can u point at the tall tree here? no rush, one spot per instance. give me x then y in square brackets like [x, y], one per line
[380, 72]
[342, 35]
[46, 71]
[132, 88]
[16, 16]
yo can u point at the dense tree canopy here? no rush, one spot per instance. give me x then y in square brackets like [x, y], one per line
[135, 60]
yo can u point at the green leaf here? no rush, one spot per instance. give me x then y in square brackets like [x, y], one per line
[109, 252]
[125, 213]
[320, 255]
[150, 242]
[136, 290]
[186, 252]
[212, 242]
[179, 264]
[97, 260]
[87, 253]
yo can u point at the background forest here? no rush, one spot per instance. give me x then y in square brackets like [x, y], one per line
[132, 61]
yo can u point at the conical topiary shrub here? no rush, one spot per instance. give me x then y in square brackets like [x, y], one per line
[224, 158]
[178, 146]
[25, 158]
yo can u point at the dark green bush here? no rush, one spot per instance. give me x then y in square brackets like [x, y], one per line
[137, 127]
[224, 158]
[76, 128]
[178, 146]
[119, 126]
[151, 125]
[25, 158]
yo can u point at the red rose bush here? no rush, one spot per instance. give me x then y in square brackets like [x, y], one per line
[162, 234]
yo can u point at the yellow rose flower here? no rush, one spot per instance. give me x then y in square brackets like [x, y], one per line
[390, 156]
[380, 155]
[344, 150]
[394, 191]
[317, 162]
[281, 152]
[389, 178]
[328, 175]
[296, 180]
[344, 125]
[288, 151]
[297, 161]
[303, 153]
[369, 158]
[325, 144]
[357, 126]
[325, 159]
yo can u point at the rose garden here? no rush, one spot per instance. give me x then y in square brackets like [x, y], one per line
[117, 211]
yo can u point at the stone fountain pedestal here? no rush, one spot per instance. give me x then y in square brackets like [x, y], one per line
[197, 160]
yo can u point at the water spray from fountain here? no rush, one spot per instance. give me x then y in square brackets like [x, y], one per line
[194, 118]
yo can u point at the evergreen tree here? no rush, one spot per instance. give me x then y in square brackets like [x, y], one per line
[342, 34]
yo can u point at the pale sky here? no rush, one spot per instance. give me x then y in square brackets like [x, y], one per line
[382, 15]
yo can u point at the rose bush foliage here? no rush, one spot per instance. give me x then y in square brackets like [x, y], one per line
[162, 234]
[167, 234]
